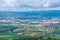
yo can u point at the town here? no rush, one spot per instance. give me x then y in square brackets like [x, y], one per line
[31, 27]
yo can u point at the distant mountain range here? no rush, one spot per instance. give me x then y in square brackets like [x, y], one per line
[47, 13]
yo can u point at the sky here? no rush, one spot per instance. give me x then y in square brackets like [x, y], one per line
[26, 5]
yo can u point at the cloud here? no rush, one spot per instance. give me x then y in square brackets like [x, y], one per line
[39, 3]
[52, 3]
[28, 4]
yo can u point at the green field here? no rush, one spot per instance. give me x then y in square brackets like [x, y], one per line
[16, 37]
[24, 37]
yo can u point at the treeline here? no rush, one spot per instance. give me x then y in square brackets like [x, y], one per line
[31, 38]
[37, 38]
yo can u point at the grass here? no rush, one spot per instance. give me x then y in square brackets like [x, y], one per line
[13, 36]
[16, 37]
[23, 37]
